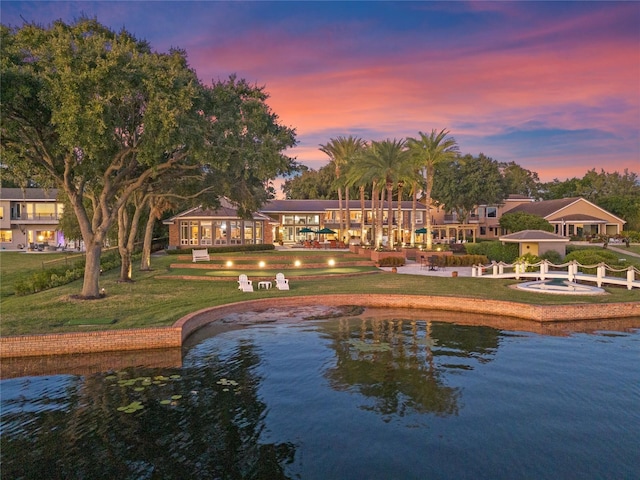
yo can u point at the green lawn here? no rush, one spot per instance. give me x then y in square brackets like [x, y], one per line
[155, 301]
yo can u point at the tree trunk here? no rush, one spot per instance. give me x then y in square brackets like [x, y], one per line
[380, 230]
[125, 254]
[428, 219]
[347, 219]
[127, 233]
[340, 208]
[363, 217]
[390, 214]
[145, 262]
[414, 211]
[91, 284]
[400, 223]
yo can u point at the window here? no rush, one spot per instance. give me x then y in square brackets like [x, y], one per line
[184, 233]
[205, 233]
[258, 237]
[420, 217]
[193, 233]
[220, 232]
[235, 237]
[6, 236]
[248, 232]
[492, 212]
[1, 213]
[45, 211]
[483, 230]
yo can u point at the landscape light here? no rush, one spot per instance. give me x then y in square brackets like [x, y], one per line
[229, 263]
[297, 263]
[332, 262]
[261, 264]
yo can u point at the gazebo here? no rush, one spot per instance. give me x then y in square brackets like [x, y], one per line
[537, 242]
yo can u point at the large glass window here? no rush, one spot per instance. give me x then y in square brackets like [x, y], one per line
[248, 232]
[184, 233]
[492, 212]
[235, 235]
[193, 233]
[259, 237]
[45, 211]
[205, 233]
[220, 232]
[6, 236]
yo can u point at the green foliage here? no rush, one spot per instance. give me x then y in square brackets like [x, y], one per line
[261, 247]
[391, 262]
[312, 184]
[593, 256]
[520, 181]
[464, 260]
[553, 257]
[519, 221]
[618, 193]
[529, 259]
[468, 182]
[61, 275]
[494, 251]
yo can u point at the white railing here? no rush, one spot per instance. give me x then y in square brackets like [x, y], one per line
[567, 271]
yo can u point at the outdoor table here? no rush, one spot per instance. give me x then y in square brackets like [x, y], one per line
[265, 285]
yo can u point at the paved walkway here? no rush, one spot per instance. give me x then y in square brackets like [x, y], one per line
[413, 268]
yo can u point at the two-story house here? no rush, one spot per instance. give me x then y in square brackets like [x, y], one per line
[29, 219]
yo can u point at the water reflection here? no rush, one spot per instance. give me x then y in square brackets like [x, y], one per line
[191, 423]
[383, 394]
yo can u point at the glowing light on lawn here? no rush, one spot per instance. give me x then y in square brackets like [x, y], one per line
[262, 264]
[229, 263]
[332, 262]
[297, 263]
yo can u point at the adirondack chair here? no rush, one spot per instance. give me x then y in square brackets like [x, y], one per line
[245, 284]
[281, 282]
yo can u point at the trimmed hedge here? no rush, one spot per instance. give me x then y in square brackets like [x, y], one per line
[464, 260]
[261, 247]
[391, 262]
[494, 250]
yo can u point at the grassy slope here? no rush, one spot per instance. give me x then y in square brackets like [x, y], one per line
[151, 301]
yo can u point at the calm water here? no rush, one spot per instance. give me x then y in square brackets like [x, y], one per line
[369, 397]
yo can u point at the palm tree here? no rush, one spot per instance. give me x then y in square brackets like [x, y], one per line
[430, 151]
[341, 151]
[409, 174]
[382, 161]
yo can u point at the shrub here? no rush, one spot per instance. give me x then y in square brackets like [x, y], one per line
[61, 275]
[464, 260]
[391, 262]
[593, 257]
[224, 249]
[494, 251]
[530, 259]
[553, 257]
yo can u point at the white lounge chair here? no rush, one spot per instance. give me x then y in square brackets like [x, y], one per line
[245, 284]
[281, 282]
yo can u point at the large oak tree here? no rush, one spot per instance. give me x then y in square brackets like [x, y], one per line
[103, 116]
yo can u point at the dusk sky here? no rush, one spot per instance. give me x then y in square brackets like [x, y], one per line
[552, 86]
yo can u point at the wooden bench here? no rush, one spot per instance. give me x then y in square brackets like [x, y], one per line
[200, 255]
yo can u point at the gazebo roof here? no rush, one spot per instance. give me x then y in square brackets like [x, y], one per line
[533, 236]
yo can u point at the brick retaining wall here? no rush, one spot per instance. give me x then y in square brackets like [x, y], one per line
[163, 337]
[89, 342]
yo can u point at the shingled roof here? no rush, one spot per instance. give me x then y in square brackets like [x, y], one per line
[533, 236]
[545, 207]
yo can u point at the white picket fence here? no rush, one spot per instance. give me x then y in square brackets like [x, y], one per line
[570, 271]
